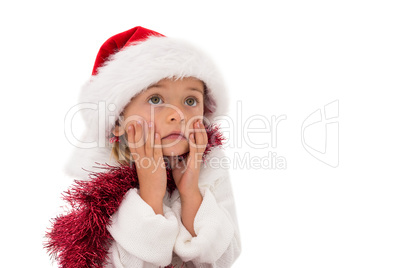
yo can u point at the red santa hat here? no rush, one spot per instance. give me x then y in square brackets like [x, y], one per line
[127, 64]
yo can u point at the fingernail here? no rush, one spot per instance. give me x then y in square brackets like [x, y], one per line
[130, 127]
[151, 124]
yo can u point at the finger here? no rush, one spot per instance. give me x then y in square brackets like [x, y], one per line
[158, 147]
[192, 143]
[138, 138]
[199, 136]
[204, 137]
[149, 151]
[131, 143]
[130, 138]
[191, 139]
[158, 154]
[193, 152]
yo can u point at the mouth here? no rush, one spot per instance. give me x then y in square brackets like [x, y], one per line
[175, 136]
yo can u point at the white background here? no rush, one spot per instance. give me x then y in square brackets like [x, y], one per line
[278, 58]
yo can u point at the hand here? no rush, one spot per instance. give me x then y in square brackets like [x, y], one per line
[186, 172]
[149, 163]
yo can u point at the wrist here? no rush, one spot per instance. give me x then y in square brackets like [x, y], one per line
[190, 196]
[189, 208]
[153, 200]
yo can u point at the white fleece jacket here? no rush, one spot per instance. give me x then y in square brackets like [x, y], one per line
[144, 239]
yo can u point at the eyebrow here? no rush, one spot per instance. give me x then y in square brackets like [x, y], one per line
[195, 89]
[190, 88]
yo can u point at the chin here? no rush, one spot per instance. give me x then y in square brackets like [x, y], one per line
[179, 148]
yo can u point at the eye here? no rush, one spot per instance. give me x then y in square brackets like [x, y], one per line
[154, 100]
[192, 101]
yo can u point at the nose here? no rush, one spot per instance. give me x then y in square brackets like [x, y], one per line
[175, 115]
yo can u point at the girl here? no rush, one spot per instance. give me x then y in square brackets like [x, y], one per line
[160, 202]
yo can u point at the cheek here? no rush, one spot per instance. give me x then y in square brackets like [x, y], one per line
[130, 117]
[158, 127]
[193, 117]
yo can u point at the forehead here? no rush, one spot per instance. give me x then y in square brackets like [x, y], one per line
[187, 83]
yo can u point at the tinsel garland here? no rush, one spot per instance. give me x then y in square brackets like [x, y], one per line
[80, 239]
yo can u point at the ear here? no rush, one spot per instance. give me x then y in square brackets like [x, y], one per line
[118, 131]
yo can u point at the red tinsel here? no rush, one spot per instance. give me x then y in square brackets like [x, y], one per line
[80, 239]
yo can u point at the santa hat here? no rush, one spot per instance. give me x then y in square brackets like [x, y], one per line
[127, 64]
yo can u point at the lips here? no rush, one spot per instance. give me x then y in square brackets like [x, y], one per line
[175, 135]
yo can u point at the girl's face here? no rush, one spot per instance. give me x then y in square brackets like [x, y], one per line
[173, 106]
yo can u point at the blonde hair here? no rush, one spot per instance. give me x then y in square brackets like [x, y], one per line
[120, 149]
[121, 152]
